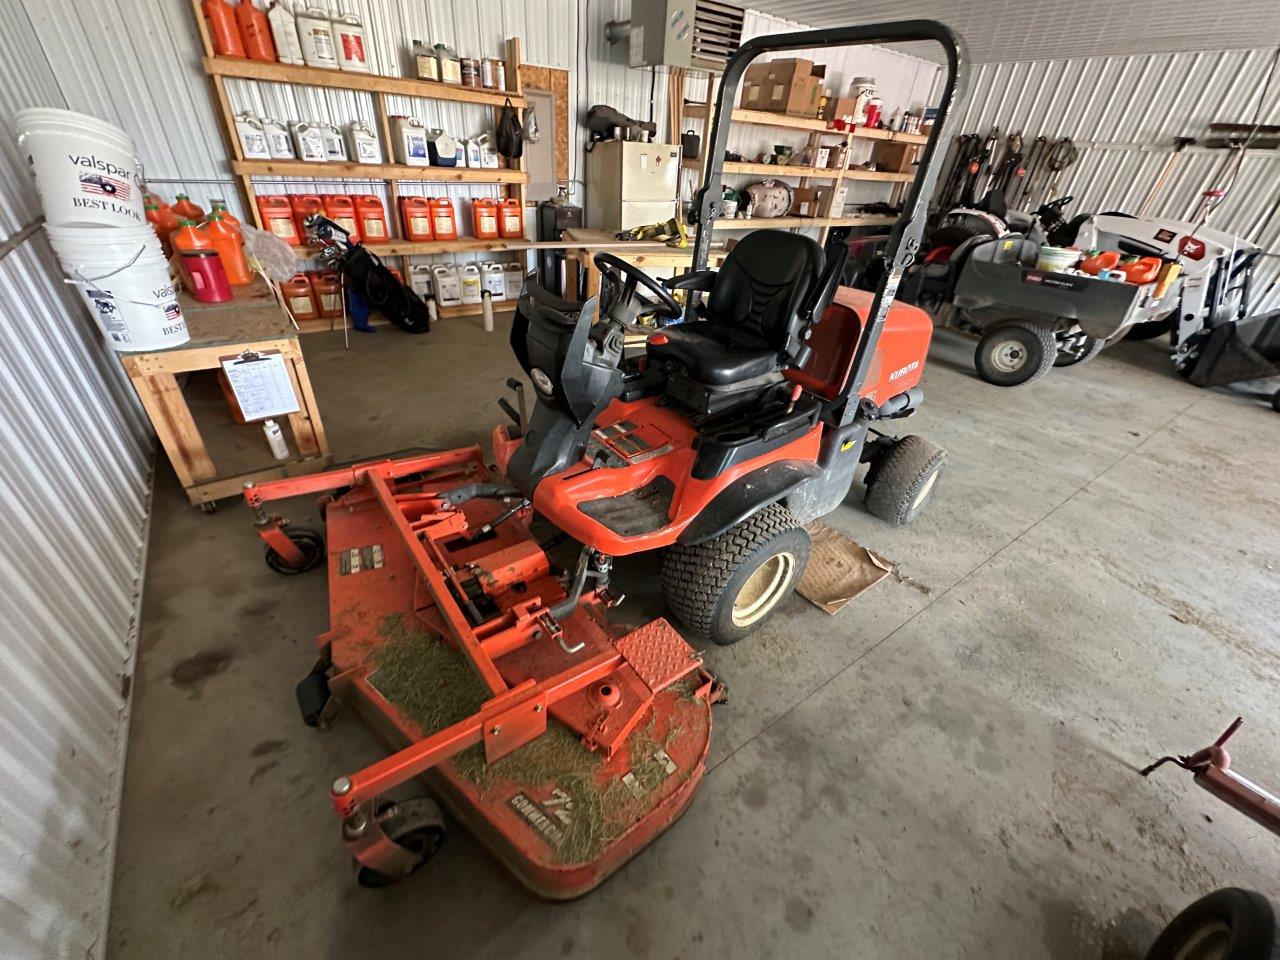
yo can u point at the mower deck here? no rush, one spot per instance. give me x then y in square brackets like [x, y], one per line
[564, 801]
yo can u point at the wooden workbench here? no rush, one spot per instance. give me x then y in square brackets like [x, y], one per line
[251, 321]
[643, 253]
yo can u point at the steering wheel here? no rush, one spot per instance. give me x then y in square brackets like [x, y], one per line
[619, 289]
[1059, 203]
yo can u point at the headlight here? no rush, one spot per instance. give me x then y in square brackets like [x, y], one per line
[542, 381]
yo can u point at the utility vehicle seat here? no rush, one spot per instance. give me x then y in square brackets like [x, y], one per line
[753, 304]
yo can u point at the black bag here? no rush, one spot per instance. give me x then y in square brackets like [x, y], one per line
[509, 137]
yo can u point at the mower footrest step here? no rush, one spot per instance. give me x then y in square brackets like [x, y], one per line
[658, 654]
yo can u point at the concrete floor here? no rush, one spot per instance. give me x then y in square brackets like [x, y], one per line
[944, 769]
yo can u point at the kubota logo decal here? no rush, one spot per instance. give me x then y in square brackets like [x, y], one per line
[903, 371]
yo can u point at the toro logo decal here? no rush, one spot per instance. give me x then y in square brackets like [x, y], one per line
[903, 371]
[1192, 248]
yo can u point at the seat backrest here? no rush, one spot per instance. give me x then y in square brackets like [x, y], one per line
[760, 286]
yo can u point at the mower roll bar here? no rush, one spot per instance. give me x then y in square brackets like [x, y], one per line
[904, 239]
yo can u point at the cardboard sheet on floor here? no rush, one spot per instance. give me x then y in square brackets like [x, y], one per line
[839, 569]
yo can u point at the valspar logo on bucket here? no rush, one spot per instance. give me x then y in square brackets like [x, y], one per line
[86, 170]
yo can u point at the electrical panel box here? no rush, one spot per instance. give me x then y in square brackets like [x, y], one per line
[661, 33]
[630, 184]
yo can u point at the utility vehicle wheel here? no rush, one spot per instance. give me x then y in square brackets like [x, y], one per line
[1229, 924]
[1015, 353]
[903, 480]
[725, 588]
[1076, 348]
[308, 541]
[417, 825]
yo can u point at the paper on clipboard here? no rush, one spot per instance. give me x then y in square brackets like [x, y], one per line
[261, 384]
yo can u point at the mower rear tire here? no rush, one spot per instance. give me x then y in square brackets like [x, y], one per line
[417, 825]
[727, 587]
[309, 541]
[1230, 924]
[901, 483]
[1015, 353]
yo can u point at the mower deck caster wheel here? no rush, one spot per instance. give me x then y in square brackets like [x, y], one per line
[901, 482]
[208, 506]
[308, 541]
[1011, 354]
[725, 588]
[418, 826]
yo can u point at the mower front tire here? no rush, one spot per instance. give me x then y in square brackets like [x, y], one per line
[1015, 353]
[727, 587]
[903, 480]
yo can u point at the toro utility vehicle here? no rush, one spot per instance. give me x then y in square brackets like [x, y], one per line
[564, 740]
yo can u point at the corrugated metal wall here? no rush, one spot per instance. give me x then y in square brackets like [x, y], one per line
[75, 480]
[1124, 113]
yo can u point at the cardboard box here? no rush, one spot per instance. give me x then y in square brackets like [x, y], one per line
[824, 201]
[790, 86]
[893, 156]
[804, 203]
[839, 107]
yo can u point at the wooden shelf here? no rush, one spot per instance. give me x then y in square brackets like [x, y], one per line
[410, 248]
[375, 171]
[762, 223]
[764, 118]
[813, 173]
[325, 324]
[366, 82]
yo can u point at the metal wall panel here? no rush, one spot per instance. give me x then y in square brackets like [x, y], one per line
[75, 480]
[1124, 112]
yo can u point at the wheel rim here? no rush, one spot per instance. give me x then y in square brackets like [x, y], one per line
[925, 490]
[1073, 345]
[763, 589]
[1009, 356]
[1209, 942]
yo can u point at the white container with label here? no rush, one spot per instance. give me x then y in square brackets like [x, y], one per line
[513, 280]
[335, 148]
[315, 33]
[253, 139]
[364, 145]
[488, 153]
[284, 33]
[410, 145]
[309, 142]
[421, 280]
[426, 66]
[472, 283]
[495, 281]
[448, 291]
[279, 143]
[349, 41]
[474, 154]
[447, 64]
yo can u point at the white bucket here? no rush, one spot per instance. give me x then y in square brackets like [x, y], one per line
[124, 278]
[1054, 259]
[86, 170]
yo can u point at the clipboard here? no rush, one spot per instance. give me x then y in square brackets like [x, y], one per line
[261, 384]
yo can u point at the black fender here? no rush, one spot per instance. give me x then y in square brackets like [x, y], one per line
[745, 496]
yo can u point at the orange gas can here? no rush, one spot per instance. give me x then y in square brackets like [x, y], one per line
[220, 208]
[484, 218]
[305, 204]
[1143, 270]
[1106, 260]
[277, 218]
[255, 31]
[164, 221]
[341, 209]
[328, 292]
[189, 237]
[415, 215]
[444, 222]
[222, 28]
[511, 221]
[372, 218]
[230, 246]
[183, 207]
[299, 298]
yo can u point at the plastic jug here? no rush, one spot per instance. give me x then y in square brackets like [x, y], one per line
[371, 218]
[186, 239]
[362, 143]
[348, 37]
[511, 222]
[472, 283]
[410, 145]
[495, 281]
[223, 29]
[255, 31]
[220, 208]
[304, 205]
[252, 137]
[204, 276]
[164, 221]
[442, 149]
[277, 218]
[1096, 262]
[284, 32]
[484, 218]
[230, 246]
[183, 207]
[420, 280]
[415, 216]
[328, 292]
[309, 141]
[335, 148]
[315, 33]
[1143, 270]
[341, 210]
[299, 298]
[444, 222]
[447, 284]
[513, 277]
[279, 143]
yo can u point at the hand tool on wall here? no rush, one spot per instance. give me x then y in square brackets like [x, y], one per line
[1179, 144]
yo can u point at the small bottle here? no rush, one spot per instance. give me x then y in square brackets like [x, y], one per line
[486, 310]
[275, 439]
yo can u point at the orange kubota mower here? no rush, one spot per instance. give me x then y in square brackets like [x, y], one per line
[565, 741]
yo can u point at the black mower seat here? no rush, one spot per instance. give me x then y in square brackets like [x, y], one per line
[696, 346]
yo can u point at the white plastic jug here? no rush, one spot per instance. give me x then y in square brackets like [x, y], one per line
[315, 32]
[284, 33]
[310, 143]
[279, 143]
[513, 280]
[411, 141]
[448, 286]
[335, 148]
[471, 283]
[420, 280]
[363, 144]
[495, 281]
[253, 138]
[348, 36]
